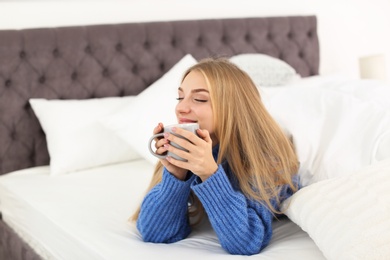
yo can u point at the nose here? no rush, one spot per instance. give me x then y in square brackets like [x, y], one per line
[183, 107]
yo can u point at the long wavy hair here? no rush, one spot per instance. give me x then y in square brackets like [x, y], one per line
[260, 155]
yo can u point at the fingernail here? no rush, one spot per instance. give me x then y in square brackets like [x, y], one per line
[173, 129]
[166, 135]
[166, 146]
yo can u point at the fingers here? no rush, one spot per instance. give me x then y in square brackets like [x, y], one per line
[203, 166]
[192, 139]
[158, 129]
[179, 152]
[204, 134]
[160, 149]
[199, 155]
[194, 145]
[175, 140]
[190, 136]
[177, 163]
[159, 141]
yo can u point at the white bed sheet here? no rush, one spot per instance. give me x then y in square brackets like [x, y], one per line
[83, 215]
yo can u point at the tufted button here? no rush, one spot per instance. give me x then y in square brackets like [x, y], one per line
[56, 53]
[309, 34]
[135, 69]
[92, 96]
[27, 105]
[301, 54]
[8, 83]
[22, 54]
[162, 66]
[118, 47]
[199, 40]
[248, 37]
[12, 135]
[88, 49]
[146, 45]
[290, 35]
[42, 79]
[224, 39]
[105, 73]
[270, 37]
[173, 42]
[32, 156]
[74, 75]
[122, 93]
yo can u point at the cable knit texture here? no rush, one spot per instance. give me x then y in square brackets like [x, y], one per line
[243, 226]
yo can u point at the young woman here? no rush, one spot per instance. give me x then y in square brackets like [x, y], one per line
[240, 165]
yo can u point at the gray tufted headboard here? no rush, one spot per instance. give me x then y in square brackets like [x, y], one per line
[123, 59]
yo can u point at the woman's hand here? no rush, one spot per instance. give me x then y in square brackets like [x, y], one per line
[199, 157]
[178, 172]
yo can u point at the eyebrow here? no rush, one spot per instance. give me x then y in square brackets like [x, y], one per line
[197, 90]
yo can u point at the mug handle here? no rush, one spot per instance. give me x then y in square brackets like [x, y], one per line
[150, 146]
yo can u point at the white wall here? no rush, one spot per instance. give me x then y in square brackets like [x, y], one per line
[348, 29]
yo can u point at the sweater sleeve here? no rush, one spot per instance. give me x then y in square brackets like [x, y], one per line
[243, 226]
[163, 216]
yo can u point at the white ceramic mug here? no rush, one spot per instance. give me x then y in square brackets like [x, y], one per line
[192, 127]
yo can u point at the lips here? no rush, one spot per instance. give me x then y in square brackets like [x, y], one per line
[186, 121]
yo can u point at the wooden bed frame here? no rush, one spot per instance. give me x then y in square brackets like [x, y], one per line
[82, 62]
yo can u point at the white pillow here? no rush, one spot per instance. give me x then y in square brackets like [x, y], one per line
[347, 217]
[382, 149]
[135, 122]
[265, 70]
[75, 138]
[335, 134]
[375, 92]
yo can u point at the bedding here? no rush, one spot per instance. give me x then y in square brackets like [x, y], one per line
[340, 127]
[265, 71]
[340, 215]
[75, 139]
[348, 217]
[84, 215]
[335, 132]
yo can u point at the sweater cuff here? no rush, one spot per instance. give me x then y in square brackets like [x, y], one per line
[216, 189]
[177, 188]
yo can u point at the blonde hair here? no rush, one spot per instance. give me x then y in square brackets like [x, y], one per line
[260, 155]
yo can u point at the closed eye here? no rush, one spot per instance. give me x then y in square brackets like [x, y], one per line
[196, 99]
[200, 100]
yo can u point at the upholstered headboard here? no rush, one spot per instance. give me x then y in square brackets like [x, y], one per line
[123, 59]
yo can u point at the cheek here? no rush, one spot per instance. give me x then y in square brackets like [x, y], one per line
[208, 120]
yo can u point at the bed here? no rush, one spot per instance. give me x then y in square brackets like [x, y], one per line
[76, 113]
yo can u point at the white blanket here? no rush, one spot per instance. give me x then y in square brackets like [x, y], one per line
[83, 215]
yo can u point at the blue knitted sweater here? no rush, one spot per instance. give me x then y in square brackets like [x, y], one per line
[243, 226]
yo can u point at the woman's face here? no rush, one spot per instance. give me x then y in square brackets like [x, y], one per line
[194, 103]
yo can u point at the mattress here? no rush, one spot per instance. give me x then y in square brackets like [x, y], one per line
[84, 215]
